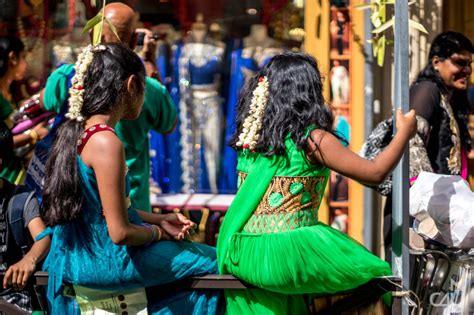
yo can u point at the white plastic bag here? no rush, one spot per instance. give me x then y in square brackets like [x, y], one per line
[449, 201]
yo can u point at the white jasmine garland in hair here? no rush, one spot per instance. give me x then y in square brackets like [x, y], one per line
[76, 91]
[253, 122]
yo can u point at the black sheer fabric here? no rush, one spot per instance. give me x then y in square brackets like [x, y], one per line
[425, 98]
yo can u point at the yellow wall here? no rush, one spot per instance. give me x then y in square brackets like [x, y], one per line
[356, 191]
[318, 46]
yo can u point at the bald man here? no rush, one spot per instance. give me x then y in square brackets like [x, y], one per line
[158, 111]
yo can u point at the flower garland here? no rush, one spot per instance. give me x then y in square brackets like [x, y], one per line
[76, 91]
[253, 123]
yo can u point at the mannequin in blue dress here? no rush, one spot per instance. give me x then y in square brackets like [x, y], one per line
[258, 49]
[98, 240]
[161, 144]
[195, 156]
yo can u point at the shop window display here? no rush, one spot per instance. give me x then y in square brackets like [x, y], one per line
[340, 31]
[203, 62]
[340, 97]
[258, 48]
[339, 76]
[199, 64]
[196, 158]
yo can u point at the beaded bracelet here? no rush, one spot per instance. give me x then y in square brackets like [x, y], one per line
[152, 233]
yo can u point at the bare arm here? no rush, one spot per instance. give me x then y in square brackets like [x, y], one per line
[36, 134]
[104, 153]
[175, 224]
[333, 154]
[148, 53]
[41, 99]
[19, 273]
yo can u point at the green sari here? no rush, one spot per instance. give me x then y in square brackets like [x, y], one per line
[271, 238]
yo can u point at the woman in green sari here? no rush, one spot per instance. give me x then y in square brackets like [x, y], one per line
[12, 69]
[271, 236]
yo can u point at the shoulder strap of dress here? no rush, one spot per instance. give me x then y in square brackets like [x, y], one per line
[87, 134]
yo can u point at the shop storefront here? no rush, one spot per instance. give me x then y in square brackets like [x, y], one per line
[206, 50]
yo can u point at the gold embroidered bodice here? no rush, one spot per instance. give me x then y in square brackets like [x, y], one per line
[290, 202]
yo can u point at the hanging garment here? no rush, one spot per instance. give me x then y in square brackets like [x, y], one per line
[245, 63]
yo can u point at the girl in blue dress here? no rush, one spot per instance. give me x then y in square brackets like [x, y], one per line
[98, 241]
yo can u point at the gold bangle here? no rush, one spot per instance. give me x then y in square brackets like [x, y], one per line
[159, 234]
[32, 134]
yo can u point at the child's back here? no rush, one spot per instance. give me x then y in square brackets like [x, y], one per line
[271, 236]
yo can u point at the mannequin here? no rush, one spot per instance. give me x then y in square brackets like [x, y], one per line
[258, 37]
[215, 32]
[31, 30]
[339, 83]
[200, 108]
[198, 30]
[339, 28]
[62, 51]
[258, 49]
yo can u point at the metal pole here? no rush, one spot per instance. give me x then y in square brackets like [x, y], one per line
[368, 125]
[400, 203]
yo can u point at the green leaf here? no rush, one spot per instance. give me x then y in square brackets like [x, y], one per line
[375, 43]
[363, 6]
[92, 23]
[383, 27]
[112, 27]
[375, 18]
[381, 51]
[97, 33]
[383, 13]
[417, 26]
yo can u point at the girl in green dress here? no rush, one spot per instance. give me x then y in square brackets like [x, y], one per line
[271, 236]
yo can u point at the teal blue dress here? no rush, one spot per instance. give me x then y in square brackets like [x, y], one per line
[82, 253]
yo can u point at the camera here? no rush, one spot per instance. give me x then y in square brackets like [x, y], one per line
[141, 38]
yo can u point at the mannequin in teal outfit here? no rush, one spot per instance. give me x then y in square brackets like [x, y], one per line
[98, 240]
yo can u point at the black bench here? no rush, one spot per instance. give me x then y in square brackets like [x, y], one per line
[350, 300]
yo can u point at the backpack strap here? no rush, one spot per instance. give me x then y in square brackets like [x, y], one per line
[16, 207]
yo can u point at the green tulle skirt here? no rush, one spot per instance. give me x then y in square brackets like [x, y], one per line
[292, 266]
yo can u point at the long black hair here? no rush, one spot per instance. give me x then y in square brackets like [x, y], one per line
[9, 44]
[104, 86]
[295, 102]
